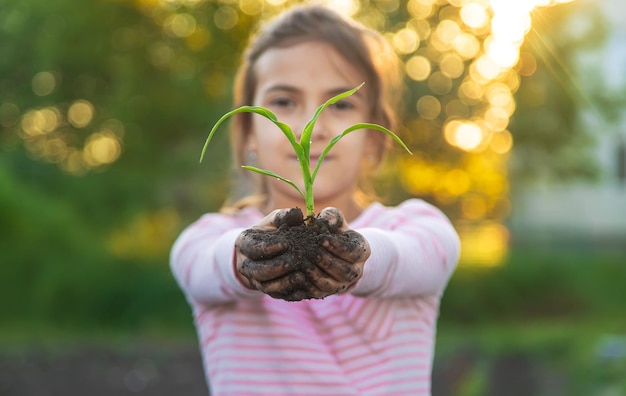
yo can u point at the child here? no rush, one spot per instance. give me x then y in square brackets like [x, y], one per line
[365, 318]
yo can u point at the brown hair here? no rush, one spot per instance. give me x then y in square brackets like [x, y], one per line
[362, 47]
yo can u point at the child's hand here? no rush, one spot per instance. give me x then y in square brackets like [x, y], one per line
[341, 258]
[258, 249]
[326, 263]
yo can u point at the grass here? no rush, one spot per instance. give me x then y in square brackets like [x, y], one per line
[554, 356]
[24, 336]
[559, 311]
[543, 337]
[563, 348]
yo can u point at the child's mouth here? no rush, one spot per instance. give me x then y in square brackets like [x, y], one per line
[313, 158]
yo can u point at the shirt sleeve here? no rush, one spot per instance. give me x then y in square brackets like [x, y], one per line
[202, 260]
[414, 251]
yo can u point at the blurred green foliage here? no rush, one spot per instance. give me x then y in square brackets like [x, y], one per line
[539, 285]
[550, 141]
[56, 271]
[73, 248]
[545, 323]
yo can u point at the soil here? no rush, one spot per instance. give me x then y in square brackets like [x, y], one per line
[303, 236]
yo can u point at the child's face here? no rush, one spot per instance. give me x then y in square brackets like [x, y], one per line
[292, 82]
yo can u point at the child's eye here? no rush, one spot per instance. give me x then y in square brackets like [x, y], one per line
[282, 102]
[342, 105]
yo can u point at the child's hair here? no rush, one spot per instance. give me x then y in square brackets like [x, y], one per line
[364, 48]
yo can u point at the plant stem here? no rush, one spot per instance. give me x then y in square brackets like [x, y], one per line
[305, 165]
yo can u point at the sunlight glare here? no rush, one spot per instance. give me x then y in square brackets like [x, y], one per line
[405, 41]
[499, 94]
[485, 69]
[465, 135]
[347, 7]
[504, 53]
[474, 15]
[527, 64]
[466, 45]
[468, 136]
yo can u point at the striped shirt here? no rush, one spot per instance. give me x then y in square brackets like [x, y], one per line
[378, 339]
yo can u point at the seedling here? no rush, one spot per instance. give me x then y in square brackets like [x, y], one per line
[302, 147]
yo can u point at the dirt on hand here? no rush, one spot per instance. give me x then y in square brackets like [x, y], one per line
[302, 259]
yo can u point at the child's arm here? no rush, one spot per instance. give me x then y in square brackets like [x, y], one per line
[202, 260]
[415, 250]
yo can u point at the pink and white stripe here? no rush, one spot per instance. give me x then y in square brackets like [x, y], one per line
[378, 339]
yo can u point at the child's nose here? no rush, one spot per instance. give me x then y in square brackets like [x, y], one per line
[321, 130]
[320, 127]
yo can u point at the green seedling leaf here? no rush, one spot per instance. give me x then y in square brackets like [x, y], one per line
[308, 129]
[272, 174]
[302, 147]
[286, 129]
[356, 127]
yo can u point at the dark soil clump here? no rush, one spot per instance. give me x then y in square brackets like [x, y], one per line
[303, 238]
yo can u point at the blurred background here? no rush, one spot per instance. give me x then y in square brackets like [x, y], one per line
[516, 113]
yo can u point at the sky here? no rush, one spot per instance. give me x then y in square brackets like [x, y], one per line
[615, 50]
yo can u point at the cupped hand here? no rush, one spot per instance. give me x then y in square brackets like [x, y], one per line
[257, 249]
[335, 258]
[342, 256]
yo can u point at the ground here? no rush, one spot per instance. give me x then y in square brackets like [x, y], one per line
[103, 371]
[175, 369]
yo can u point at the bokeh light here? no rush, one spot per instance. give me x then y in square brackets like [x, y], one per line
[40, 122]
[80, 113]
[44, 83]
[180, 25]
[226, 17]
[462, 55]
[405, 41]
[418, 68]
[101, 148]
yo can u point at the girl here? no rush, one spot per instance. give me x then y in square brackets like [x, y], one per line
[364, 322]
